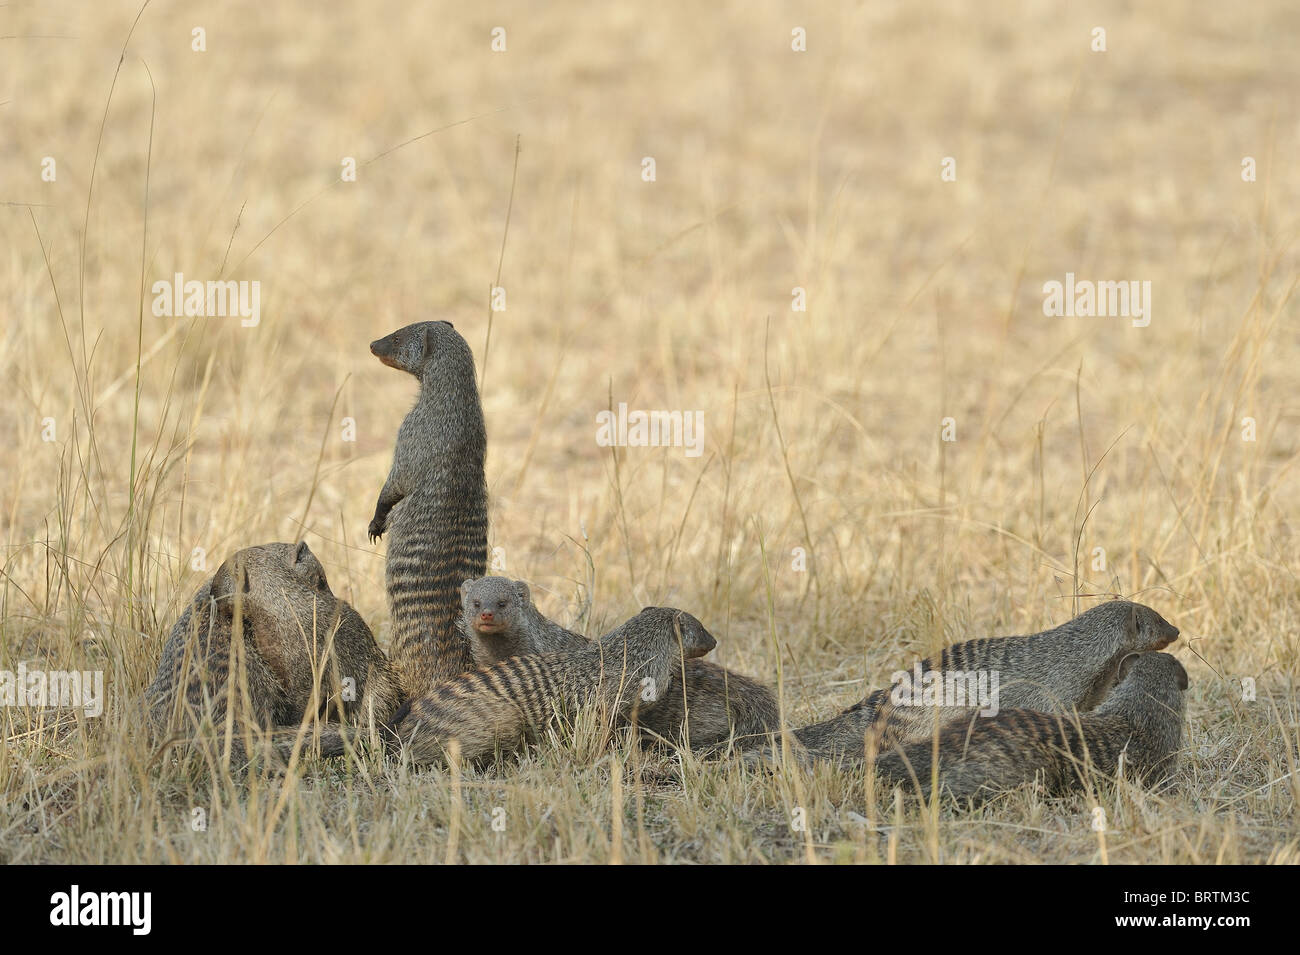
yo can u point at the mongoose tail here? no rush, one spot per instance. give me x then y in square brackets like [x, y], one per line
[497, 708]
[1068, 668]
[1136, 732]
[712, 708]
[433, 504]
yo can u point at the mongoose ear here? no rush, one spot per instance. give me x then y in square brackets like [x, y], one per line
[309, 568]
[521, 589]
[222, 590]
[465, 585]
[428, 340]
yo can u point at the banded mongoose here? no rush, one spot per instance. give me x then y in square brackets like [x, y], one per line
[497, 708]
[433, 505]
[717, 706]
[304, 651]
[1067, 668]
[1140, 723]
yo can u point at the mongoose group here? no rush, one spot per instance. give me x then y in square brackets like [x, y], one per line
[709, 707]
[495, 708]
[265, 651]
[1069, 668]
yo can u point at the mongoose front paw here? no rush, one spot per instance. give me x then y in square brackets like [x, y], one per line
[376, 529]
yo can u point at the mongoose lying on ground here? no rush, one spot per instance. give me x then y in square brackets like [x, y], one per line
[1067, 668]
[717, 705]
[304, 651]
[499, 707]
[1141, 720]
[433, 505]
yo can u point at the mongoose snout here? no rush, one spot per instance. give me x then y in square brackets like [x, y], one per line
[696, 641]
[1163, 633]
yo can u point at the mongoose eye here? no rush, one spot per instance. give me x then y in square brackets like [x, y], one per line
[477, 604]
[501, 605]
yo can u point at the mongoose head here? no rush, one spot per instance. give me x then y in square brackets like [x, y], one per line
[493, 605]
[1164, 664]
[695, 640]
[280, 584]
[1156, 675]
[1135, 626]
[421, 346]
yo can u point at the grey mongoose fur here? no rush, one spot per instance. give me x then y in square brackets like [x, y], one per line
[433, 504]
[303, 651]
[1068, 668]
[497, 708]
[709, 706]
[1139, 725]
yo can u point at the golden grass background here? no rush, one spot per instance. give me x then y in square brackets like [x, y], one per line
[775, 169]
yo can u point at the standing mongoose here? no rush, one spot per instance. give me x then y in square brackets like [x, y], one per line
[1070, 667]
[709, 708]
[1139, 724]
[499, 707]
[433, 505]
[303, 651]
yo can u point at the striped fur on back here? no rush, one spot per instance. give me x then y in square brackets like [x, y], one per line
[1066, 669]
[707, 710]
[1137, 729]
[497, 708]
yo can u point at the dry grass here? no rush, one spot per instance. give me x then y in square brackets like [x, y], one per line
[775, 169]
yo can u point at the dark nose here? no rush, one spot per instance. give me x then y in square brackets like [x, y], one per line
[374, 345]
[1175, 632]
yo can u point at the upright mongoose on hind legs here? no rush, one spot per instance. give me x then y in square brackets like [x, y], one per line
[1138, 728]
[302, 651]
[711, 708]
[498, 707]
[1067, 668]
[433, 505]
